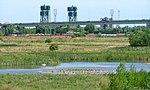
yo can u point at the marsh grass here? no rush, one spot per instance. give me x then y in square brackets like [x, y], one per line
[51, 82]
[33, 50]
[122, 80]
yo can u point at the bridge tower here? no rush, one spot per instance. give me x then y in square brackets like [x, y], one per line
[72, 13]
[45, 14]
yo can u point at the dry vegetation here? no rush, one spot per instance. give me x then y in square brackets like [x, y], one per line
[80, 44]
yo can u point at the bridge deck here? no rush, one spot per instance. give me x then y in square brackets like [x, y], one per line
[143, 21]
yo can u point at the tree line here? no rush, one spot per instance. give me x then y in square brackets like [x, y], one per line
[41, 29]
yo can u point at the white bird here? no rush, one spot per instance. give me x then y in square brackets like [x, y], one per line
[43, 64]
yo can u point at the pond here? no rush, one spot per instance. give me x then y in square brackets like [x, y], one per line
[77, 68]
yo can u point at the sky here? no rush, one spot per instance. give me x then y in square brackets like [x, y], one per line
[24, 11]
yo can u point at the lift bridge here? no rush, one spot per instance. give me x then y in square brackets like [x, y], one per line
[55, 24]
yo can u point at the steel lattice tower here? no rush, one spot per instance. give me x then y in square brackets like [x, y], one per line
[72, 13]
[45, 14]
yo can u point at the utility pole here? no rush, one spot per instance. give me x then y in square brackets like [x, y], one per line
[55, 15]
[112, 13]
[118, 17]
[112, 16]
[118, 14]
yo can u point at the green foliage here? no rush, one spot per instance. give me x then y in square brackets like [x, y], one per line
[8, 45]
[1, 33]
[37, 41]
[140, 38]
[23, 30]
[9, 29]
[53, 47]
[78, 35]
[129, 80]
[79, 29]
[71, 50]
[132, 54]
[1, 39]
[89, 28]
[48, 40]
[23, 59]
[50, 82]
[62, 30]
[43, 29]
[121, 69]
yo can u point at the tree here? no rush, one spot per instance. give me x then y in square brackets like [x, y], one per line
[78, 29]
[68, 28]
[1, 33]
[61, 29]
[89, 28]
[40, 29]
[140, 38]
[8, 29]
[48, 30]
[43, 29]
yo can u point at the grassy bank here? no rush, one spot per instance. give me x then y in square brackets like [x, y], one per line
[121, 81]
[33, 50]
[50, 82]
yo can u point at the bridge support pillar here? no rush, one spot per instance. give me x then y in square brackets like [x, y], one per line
[148, 25]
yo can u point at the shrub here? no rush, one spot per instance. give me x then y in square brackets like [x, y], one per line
[48, 40]
[140, 38]
[129, 80]
[1, 39]
[53, 47]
